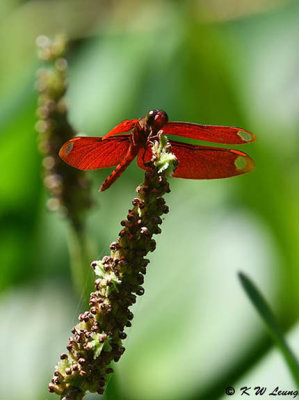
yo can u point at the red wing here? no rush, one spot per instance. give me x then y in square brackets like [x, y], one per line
[95, 152]
[201, 162]
[124, 126]
[209, 133]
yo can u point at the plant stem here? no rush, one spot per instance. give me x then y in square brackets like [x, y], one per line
[97, 338]
[80, 249]
[69, 188]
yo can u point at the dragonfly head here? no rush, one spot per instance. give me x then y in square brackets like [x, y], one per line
[156, 119]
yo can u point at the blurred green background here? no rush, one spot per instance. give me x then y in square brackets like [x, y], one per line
[227, 62]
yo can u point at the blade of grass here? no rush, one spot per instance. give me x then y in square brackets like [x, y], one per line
[268, 317]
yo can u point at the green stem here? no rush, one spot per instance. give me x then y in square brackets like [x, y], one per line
[80, 250]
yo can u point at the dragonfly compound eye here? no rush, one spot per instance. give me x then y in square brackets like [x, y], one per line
[157, 118]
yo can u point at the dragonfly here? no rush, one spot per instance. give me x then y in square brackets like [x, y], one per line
[131, 138]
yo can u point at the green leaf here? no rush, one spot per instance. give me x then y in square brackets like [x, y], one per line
[268, 317]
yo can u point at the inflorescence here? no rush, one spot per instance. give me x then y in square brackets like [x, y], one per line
[68, 187]
[98, 337]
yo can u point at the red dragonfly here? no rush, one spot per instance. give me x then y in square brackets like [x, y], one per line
[134, 137]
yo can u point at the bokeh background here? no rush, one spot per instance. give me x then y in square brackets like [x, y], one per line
[222, 62]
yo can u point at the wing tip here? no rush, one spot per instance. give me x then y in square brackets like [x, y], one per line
[246, 136]
[244, 164]
[66, 149]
